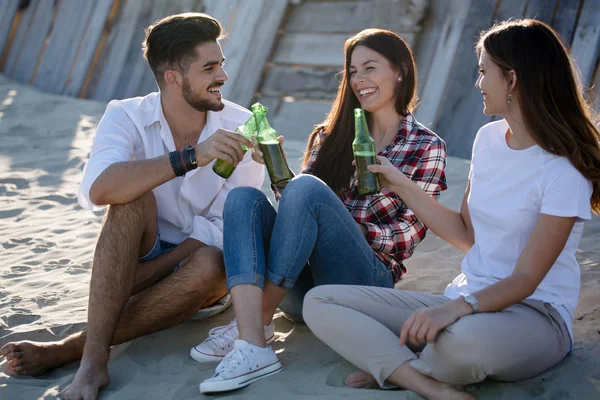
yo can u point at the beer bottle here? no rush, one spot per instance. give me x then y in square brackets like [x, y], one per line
[364, 155]
[268, 142]
[223, 168]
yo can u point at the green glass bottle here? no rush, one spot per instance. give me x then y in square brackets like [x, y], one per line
[223, 168]
[364, 155]
[268, 141]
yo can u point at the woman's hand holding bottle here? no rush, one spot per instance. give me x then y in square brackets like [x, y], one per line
[389, 175]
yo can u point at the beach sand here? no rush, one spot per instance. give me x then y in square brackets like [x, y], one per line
[45, 259]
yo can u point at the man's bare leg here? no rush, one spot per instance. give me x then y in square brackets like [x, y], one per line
[199, 283]
[113, 276]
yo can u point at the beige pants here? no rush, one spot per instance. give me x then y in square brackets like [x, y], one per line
[363, 325]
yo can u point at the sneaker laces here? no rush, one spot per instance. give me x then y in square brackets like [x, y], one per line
[224, 335]
[236, 357]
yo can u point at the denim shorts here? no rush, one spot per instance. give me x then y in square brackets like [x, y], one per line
[160, 247]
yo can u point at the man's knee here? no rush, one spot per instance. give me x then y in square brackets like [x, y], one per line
[205, 267]
[142, 206]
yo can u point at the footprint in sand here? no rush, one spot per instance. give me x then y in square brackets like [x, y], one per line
[61, 199]
[53, 264]
[43, 247]
[14, 242]
[76, 269]
[20, 319]
[17, 271]
[47, 300]
[16, 182]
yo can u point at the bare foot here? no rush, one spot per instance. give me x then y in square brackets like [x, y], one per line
[361, 380]
[87, 382]
[34, 358]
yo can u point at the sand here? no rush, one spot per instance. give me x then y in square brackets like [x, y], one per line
[47, 244]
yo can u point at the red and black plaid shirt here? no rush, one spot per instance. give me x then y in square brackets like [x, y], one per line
[393, 229]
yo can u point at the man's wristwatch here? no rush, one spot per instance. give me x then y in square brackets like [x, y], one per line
[472, 300]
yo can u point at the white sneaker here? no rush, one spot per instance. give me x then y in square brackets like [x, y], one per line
[245, 364]
[220, 342]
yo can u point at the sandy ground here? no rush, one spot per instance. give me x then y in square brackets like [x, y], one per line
[46, 249]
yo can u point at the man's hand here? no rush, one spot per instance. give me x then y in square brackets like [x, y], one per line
[257, 155]
[224, 145]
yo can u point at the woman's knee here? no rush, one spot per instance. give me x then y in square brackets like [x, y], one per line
[315, 298]
[303, 189]
[242, 198]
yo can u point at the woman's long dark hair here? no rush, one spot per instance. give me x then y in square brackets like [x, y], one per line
[550, 93]
[334, 159]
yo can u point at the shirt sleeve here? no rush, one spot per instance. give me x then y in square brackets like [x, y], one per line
[114, 142]
[567, 195]
[404, 233]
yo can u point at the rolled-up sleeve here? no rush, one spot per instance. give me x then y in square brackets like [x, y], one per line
[113, 142]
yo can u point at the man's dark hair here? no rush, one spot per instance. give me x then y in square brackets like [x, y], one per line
[170, 43]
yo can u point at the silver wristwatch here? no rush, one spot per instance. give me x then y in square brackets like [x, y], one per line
[472, 300]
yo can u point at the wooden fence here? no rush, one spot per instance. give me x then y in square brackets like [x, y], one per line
[92, 48]
[286, 53]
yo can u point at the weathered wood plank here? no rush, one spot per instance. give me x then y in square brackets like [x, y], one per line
[401, 16]
[462, 114]
[311, 49]
[63, 42]
[8, 10]
[510, 9]
[135, 65]
[34, 44]
[87, 49]
[586, 41]
[251, 46]
[542, 10]
[565, 18]
[435, 82]
[425, 47]
[281, 80]
[352, 16]
[119, 44]
[20, 36]
[29, 40]
[223, 11]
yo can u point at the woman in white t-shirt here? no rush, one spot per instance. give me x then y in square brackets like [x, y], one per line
[534, 179]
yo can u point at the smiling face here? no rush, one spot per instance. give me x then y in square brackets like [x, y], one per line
[493, 85]
[204, 77]
[373, 79]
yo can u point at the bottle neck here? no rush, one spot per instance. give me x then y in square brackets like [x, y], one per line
[361, 129]
[265, 132]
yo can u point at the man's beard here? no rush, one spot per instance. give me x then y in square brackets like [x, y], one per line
[198, 102]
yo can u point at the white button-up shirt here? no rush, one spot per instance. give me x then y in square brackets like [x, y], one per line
[189, 206]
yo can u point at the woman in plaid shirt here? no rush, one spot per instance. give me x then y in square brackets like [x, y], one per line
[534, 180]
[324, 232]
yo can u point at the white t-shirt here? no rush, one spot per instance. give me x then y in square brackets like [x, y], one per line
[189, 206]
[509, 190]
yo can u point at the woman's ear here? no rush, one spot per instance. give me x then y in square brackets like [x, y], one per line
[512, 80]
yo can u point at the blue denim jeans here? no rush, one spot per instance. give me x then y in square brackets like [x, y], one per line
[311, 240]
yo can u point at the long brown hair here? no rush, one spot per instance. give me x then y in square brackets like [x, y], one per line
[550, 93]
[334, 159]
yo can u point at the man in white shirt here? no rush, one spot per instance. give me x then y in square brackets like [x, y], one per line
[151, 162]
